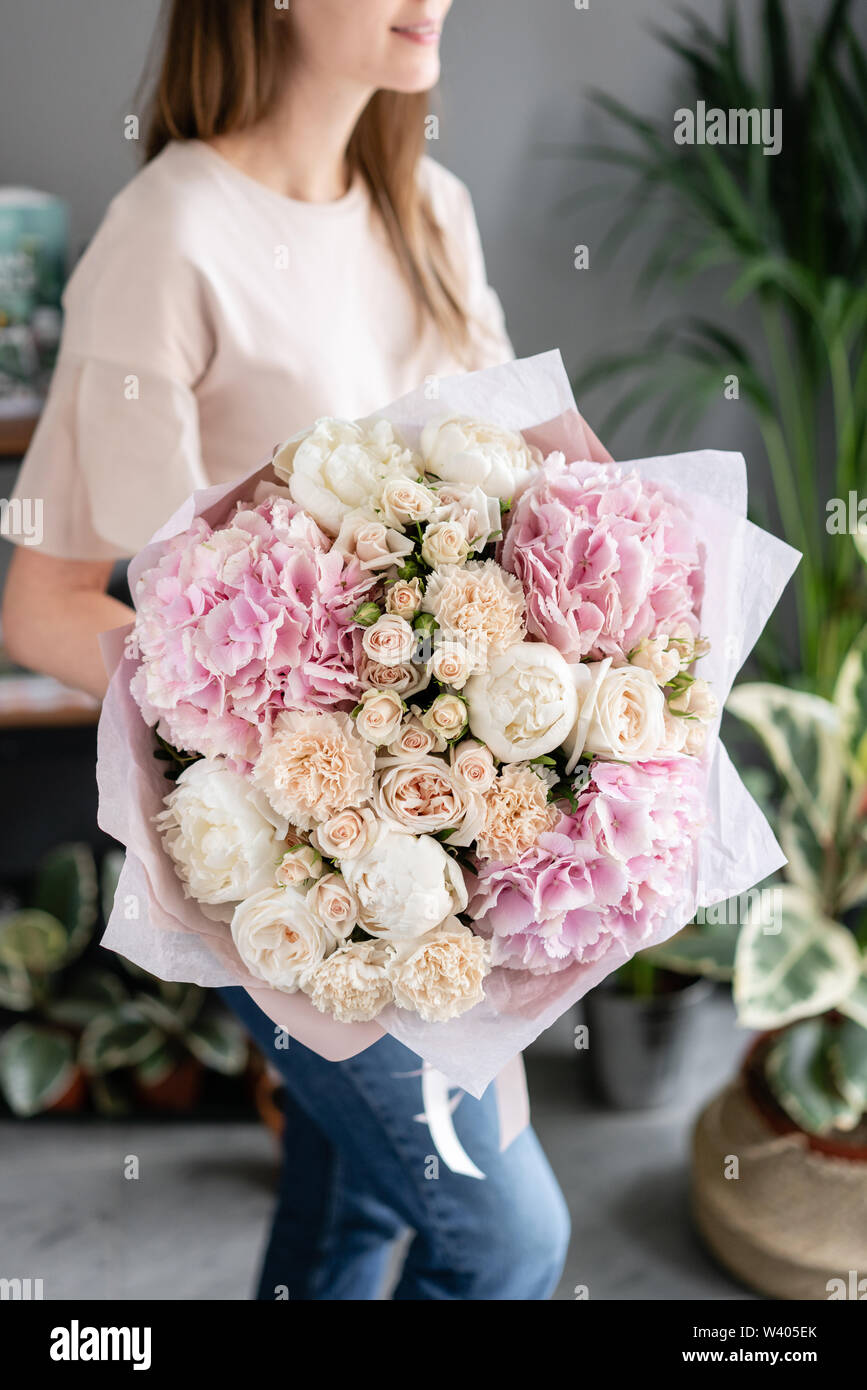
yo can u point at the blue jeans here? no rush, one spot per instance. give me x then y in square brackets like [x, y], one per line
[359, 1171]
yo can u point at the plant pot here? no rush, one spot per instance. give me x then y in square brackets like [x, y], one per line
[641, 1048]
[793, 1223]
[74, 1097]
[179, 1091]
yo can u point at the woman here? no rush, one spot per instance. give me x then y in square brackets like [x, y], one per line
[285, 253]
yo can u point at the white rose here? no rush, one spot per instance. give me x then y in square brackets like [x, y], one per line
[279, 938]
[404, 598]
[389, 640]
[405, 885]
[472, 452]
[478, 513]
[447, 716]
[656, 656]
[697, 700]
[379, 716]
[347, 834]
[334, 903]
[222, 834]
[445, 543]
[524, 705]
[375, 546]
[404, 502]
[621, 713]
[452, 663]
[339, 467]
[298, 866]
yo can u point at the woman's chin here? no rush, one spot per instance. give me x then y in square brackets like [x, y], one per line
[410, 78]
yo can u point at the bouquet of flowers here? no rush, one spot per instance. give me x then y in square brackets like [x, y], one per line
[421, 724]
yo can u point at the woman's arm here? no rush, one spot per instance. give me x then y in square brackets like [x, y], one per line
[53, 613]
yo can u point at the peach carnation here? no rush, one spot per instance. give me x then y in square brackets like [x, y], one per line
[314, 764]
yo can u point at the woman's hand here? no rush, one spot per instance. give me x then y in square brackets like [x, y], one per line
[53, 613]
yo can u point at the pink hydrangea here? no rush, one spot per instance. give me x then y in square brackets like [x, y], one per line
[609, 872]
[238, 622]
[605, 559]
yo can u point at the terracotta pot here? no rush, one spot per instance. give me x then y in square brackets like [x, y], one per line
[74, 1097]
[178, 1092]
[265, 1086]
[784, 1211]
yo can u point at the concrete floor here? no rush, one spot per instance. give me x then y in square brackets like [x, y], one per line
[191, 1227]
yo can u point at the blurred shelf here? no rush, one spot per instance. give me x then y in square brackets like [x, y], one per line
[16, 433]
[31, 702]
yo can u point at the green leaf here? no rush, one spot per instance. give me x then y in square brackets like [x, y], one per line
[850, 698]
[66, 887]
[803, 736]
[37, 1068]
[16, 989]
[120, 1037]
[804, 968]
[854, 1004]
[158, 1067]
[33, 940]
[799, 1075]
[847, 1054]
[707, 950]
[84, 994]
[218, 1041]
[800, 846]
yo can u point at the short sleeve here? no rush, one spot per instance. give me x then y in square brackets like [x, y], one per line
[117, 447]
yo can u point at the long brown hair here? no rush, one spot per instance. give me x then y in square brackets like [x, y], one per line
[222, 67]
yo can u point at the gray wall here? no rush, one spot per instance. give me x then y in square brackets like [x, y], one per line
[517, 75]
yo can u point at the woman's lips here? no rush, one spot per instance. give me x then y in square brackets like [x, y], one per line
[418, 33]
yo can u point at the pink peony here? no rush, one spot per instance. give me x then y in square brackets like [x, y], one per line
[607, 872]
[237, 623]
[605, 559]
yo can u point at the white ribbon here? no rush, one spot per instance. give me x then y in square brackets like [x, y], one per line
[438, 1110]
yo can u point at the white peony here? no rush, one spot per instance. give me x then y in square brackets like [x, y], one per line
[460, 450]
[339, 467]
[223, 835]
[524, 705]
[405, 885]
[621, 713]
[279, 938]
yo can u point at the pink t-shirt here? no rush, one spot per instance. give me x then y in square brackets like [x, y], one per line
[209, 319]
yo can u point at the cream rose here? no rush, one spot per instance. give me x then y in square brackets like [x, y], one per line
[517, 812]
[461, 450]
[451, 663]
[404, 598]
[405, 679]
[298, 865]
[352, 984]
[473, 765]
[447, 716]
[478, 604]
[405, 885]
[334, 903]
[404, 503]
[524, 705]
[478, 513]
[390, 640]
[445, 543]
[657, 657]
[378, 716]
[339, 467]
[278, 937]
[442, 975]
[415, 741]
[424, 797]
[346, 835]
[314, 764]
[621, 714]
[696, 700]
[375, 546]
[222, 834]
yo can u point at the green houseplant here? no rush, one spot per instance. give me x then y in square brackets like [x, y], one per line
[79, 1028]
[787, 235]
